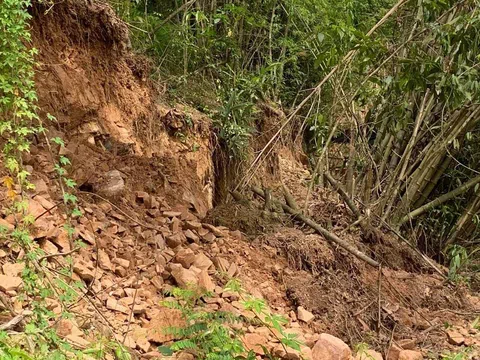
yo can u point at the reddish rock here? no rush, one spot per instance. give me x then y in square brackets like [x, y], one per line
[175, 240]
[221, 264]
[255, 342]
[9, 283]
[185, 257]
[329, 347]
[114, 305]
[122, 262]
[184, 277]
[304, 315]
[192, 225]
[410, 355]
[15, 269]
[104, 260]
[455, 338]
[215, 231]
[165, 318]
[393, 352]
[202, 261]
[83, 269]
[113, 185]
[4, 223]
[190, 235]
[205, 281]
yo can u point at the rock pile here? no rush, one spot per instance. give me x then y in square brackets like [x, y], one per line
[129, 265]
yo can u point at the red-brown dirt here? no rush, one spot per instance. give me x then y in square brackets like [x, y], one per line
[112, 118]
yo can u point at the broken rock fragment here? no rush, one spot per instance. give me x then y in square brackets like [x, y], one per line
[9, 283]
[165, 318]
[184, 277]
[304, 315]
[185, 257]
[329, 347]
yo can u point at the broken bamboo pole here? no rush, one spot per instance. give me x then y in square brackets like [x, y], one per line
[325, 233]
[440, 200]
[343, 193]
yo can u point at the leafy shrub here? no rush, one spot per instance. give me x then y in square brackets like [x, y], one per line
[210, 334]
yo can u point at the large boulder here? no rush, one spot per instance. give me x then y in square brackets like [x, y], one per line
[328, 347]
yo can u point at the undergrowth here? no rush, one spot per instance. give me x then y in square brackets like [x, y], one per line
[218, 335]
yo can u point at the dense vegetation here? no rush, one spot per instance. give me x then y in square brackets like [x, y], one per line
[397, 81]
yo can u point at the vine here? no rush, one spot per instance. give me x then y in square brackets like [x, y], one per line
[19, 122]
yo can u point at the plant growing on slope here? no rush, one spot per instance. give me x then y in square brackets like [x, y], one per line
[213, 335]
[19, 121]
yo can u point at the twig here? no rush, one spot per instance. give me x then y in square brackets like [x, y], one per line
[363, 309]
[48, 210]
[11, 323]
[339, 188]
[390, 341]
[131, 311]
[289, 199]
[379, 319]
[58, 254]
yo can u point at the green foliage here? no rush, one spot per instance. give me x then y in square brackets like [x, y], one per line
[18, 123]
[250, 50]
[210, 334]
[462, 355]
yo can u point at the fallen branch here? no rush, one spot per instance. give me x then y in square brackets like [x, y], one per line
[339, 188]
[325, 233]
[11, 323]
[58, 254]
[289, 199]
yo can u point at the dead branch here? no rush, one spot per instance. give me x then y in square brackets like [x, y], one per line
[289, 199]
[440, 200]
[339, 188]
[11, 323]
[325, 233]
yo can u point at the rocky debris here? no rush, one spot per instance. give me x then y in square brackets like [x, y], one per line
[369, 355]
[13, 270]
[329, 347]
[185, 257]
[409, 355]
[4, 223]
[104, 260]
[115, 305]
[304, 315]
[10, 283]
[221, 264]
[255, 342]
[130, 266]
[184, 277]
[455, 338]
[162, 320]
[202, 261]
[84, 269]
[113, 184]
[205, 281]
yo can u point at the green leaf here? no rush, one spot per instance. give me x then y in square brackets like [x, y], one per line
[57, 140]
[165, 350]
[65, 160]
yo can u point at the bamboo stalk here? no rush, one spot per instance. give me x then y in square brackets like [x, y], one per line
[440, 200]
[343, 193]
